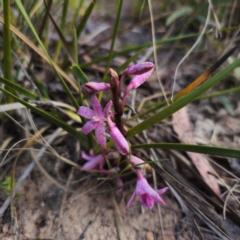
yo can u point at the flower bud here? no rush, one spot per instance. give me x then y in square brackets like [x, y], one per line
[138, 69]
[119, 140]
[93, 87]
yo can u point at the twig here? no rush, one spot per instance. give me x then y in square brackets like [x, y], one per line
[119, 223]
[82, 236]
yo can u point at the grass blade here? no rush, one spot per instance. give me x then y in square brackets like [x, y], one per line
[18, 88]
[216, 151]
[84, 19]
[79, 74]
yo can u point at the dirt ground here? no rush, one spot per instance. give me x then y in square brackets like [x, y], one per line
[43, 215]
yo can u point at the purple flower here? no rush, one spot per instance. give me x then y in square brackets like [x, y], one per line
[97, 116]
[93, 162]
[119, 140]
[93, 87]
[146, 193]
[142, 72]
[139, 68]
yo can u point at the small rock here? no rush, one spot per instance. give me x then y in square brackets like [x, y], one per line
[5, 228]
[149, 236]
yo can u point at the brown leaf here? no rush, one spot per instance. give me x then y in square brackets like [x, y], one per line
[183, 128]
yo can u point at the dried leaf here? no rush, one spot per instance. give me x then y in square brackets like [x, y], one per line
[183, 128]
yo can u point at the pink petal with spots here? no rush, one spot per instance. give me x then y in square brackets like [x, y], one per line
[144, 188]
[93, 87]
[147, 201]
[137, 161]
[136, 82]
[95, 162]
[119, 140]
[107, 108]
[140, 68]
[86, 112]
[100, 135]
[140, 79]
[97, 106]
[88, 127]
[146, 193]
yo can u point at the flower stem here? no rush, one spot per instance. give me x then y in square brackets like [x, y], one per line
[117, 102]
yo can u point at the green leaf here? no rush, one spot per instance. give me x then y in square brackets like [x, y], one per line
[84, 19]
[217, 151]
[77, 71]
[186, 11]
[72, 131]
[19, 88]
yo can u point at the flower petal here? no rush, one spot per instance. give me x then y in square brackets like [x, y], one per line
[107, 108]
[136, 82]
[93, 87]
[100, 135]
[147, 201]
[97, 106]
[98, 160]
[143, 188]
[86, 112]
[136, 161]
[119, 140]
[133, 197]
[139, 68]
[162, 191]
[140, 79]
[85, 156]
[88, 127]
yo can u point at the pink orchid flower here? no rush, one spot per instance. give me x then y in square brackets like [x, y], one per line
[93, 87]
[97, 117]
[93, 162]
[141, 71]
[146, 193]
[119, 140]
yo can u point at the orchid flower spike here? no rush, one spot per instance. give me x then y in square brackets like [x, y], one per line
[146, 193]
[119, 140]
[93, 162]
[93, 87]
[142, 72]
[97, 117]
